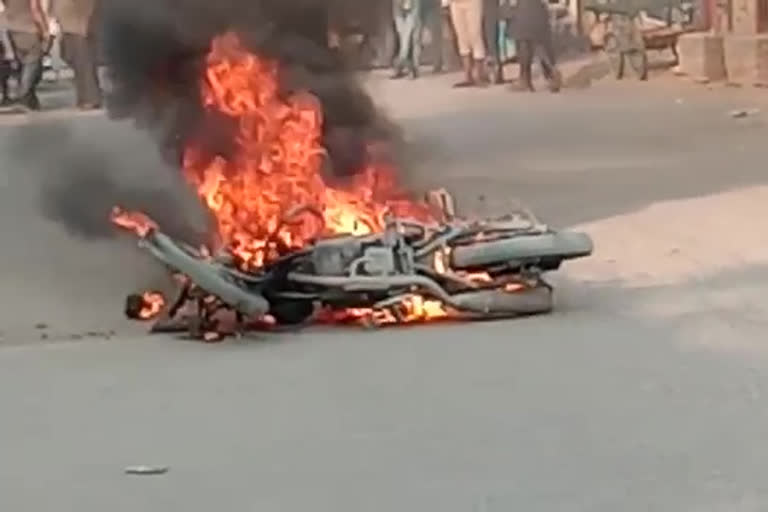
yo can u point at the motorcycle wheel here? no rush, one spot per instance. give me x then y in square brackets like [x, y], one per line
[291, 312]
[527, 248]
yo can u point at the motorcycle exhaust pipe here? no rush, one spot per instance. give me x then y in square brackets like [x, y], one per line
[487, 302]
[499, 302]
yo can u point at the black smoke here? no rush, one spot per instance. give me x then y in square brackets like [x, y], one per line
[81, 182]
[154, 50]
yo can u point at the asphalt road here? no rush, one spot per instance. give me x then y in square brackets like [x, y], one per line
[644, 391]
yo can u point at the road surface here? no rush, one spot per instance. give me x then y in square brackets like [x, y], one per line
[645, 390]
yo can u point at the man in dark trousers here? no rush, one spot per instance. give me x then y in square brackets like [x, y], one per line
[438, 20]
[491, 25]
[29, 34]
[407, 15]
[78, 48]
[533, 38]
[433, 20]
[6, 69]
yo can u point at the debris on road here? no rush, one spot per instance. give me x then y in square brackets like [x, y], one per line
[104, 335]
[146, 470]
[742, 113]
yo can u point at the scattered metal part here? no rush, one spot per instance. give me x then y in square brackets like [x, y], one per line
[742, 113]
[100, 334]
[146, 470]
[213, 336]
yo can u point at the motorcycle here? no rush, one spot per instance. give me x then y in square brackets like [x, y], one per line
[491, 268]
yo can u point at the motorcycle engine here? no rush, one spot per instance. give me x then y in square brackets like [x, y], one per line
[338, 256]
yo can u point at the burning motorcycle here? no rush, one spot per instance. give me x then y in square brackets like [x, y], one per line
[291, 247]
[410, 271]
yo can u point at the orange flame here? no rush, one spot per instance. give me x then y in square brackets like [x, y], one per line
[414, 308]
[154, 302]
[269, 196]
[137, 222]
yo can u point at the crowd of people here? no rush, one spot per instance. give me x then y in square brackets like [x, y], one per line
[481, 29]
[30, 28]
[479, 32]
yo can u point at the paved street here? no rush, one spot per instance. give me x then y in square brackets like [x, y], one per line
[645, 391]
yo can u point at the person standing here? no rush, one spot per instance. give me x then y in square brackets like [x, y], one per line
[6, 63]
[78, 48]
[448, 57]
[467, 17]
[492, 32]
[29, 34]
[533, 36]
[433, 19]
[382, 38]
[506, 29]
[6, 67]
[408, 24]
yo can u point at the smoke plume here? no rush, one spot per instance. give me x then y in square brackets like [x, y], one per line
[154, 50]
[81, 182]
